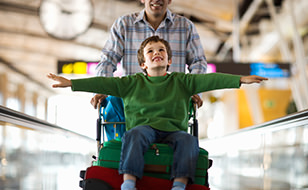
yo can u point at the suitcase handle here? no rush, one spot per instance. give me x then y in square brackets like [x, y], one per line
[156, 149]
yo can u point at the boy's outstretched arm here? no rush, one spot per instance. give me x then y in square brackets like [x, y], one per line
[252, 79]
[62, 82]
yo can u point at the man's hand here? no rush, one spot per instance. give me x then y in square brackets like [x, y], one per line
[252, 79]
[196, 99]
[62, 82]
[97, 100]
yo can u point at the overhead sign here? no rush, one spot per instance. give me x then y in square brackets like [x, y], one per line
[270, 70]
[76, 67]
[83, 68]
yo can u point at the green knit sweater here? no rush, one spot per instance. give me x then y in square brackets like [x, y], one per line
[160, 102]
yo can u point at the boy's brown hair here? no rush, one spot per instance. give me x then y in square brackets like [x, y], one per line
[153, 39]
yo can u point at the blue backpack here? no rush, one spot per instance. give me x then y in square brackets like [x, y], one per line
[112, 110]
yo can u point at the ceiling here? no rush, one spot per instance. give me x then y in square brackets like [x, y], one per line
[237, 30]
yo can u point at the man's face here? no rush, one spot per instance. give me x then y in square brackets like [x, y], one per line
[156, 8]
[155, 56]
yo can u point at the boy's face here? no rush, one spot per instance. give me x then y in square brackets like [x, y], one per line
[156, 8]
[155, 56]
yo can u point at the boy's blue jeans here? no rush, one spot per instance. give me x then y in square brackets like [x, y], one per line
[136, 141]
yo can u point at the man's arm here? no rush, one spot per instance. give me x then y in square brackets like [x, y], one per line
[196, 59]
[112, 53]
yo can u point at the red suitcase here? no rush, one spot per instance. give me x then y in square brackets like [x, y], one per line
[100, 178]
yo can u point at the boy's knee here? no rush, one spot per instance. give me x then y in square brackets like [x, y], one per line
[132, 133]
[140, 134]
[188, 139]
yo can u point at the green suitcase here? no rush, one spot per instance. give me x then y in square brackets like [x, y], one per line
[158, 160]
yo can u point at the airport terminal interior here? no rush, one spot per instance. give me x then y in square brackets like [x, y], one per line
[256, 136]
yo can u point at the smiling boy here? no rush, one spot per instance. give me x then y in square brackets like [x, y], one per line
[156, 107]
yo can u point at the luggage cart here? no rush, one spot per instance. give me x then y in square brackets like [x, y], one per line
[103, 175]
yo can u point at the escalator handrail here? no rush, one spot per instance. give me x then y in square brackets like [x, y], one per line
[295, 119]
[14, 117]
[292, 118]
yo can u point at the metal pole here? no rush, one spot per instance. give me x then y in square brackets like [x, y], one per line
[286, 53]
[236, 33]
[244, 21]
[286, 56]
[300, 61]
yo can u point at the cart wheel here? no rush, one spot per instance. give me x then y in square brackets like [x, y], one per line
[82, 174]
[95, 184]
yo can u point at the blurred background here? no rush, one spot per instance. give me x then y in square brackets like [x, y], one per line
[256, 135]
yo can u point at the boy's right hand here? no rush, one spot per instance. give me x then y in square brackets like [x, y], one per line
[62, 82]
[252, 79]
[97, 100]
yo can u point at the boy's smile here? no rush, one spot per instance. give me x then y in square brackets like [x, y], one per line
[157, 58]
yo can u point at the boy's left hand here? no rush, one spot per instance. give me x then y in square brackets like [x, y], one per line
[62, 82]
[252, 79]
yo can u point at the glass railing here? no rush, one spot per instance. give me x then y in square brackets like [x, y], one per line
[37, 155]
[269, 156]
